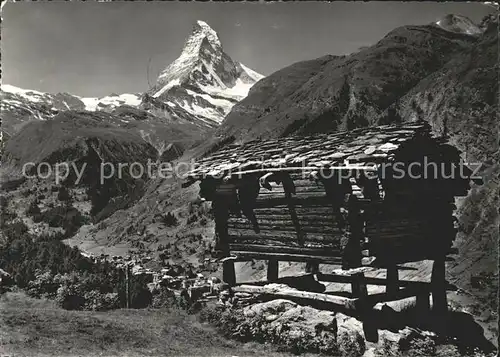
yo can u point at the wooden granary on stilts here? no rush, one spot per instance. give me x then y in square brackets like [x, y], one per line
[371, 197]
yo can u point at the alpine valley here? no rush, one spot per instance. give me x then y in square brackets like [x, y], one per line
[190, 97]
[445, 73]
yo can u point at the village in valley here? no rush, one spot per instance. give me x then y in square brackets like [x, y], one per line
[181, 279]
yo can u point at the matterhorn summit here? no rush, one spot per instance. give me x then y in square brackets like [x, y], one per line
[203, 83]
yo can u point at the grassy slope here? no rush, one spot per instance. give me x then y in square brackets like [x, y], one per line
[32, 327]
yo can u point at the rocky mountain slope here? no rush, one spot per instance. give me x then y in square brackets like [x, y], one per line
[90, 145]
[460, 99]
[203, 83]
[19, 106]
[344, 92]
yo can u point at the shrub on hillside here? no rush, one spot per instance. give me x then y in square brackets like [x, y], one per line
[70, 298]
[163, 298]
[63, 194]
[76, 291]
[98, 301]
[43, 286]
[33, 209]
[24, 256]
[13, 184]
[15, 229]
[140, 296]
[66, 217]
[170, 220]
[48, 268]
[199, 211]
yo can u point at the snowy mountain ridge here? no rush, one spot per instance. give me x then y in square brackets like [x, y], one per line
[459, 24]
[66, 101]
[111, 101]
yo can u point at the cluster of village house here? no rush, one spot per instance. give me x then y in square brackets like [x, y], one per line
[173, 276]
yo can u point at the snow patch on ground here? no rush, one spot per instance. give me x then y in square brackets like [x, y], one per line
[166, 87]
[93, 103]
[251, 73]
[237, 92]
[224, 104]
[458, 24]
[208, 115]
[90, 103]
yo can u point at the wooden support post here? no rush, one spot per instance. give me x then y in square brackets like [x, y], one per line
[392, 280]
[351, 255]
[438, 286]
[289, 188]
[370, 329]
[228, 273]
[272, 270]
[127, 286]
[312, 268]
[221, 206]
[358, 286]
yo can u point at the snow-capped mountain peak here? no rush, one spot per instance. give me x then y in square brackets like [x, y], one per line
[202, 34]
[203, 83]
[459, 24]
[203, 31]
[29, 94]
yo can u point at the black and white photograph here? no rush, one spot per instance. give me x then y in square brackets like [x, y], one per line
[249, 178]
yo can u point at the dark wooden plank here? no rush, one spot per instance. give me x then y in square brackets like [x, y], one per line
[274, 220]
[303, 217]
[312, 221]
[307, 210]
[323, 251]
[285, 243]
[280, 242]
[284, 235]
[301, 194]
[303, 202]
[288, 257]
[331, 229]
[312, 268]
[221, 212]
